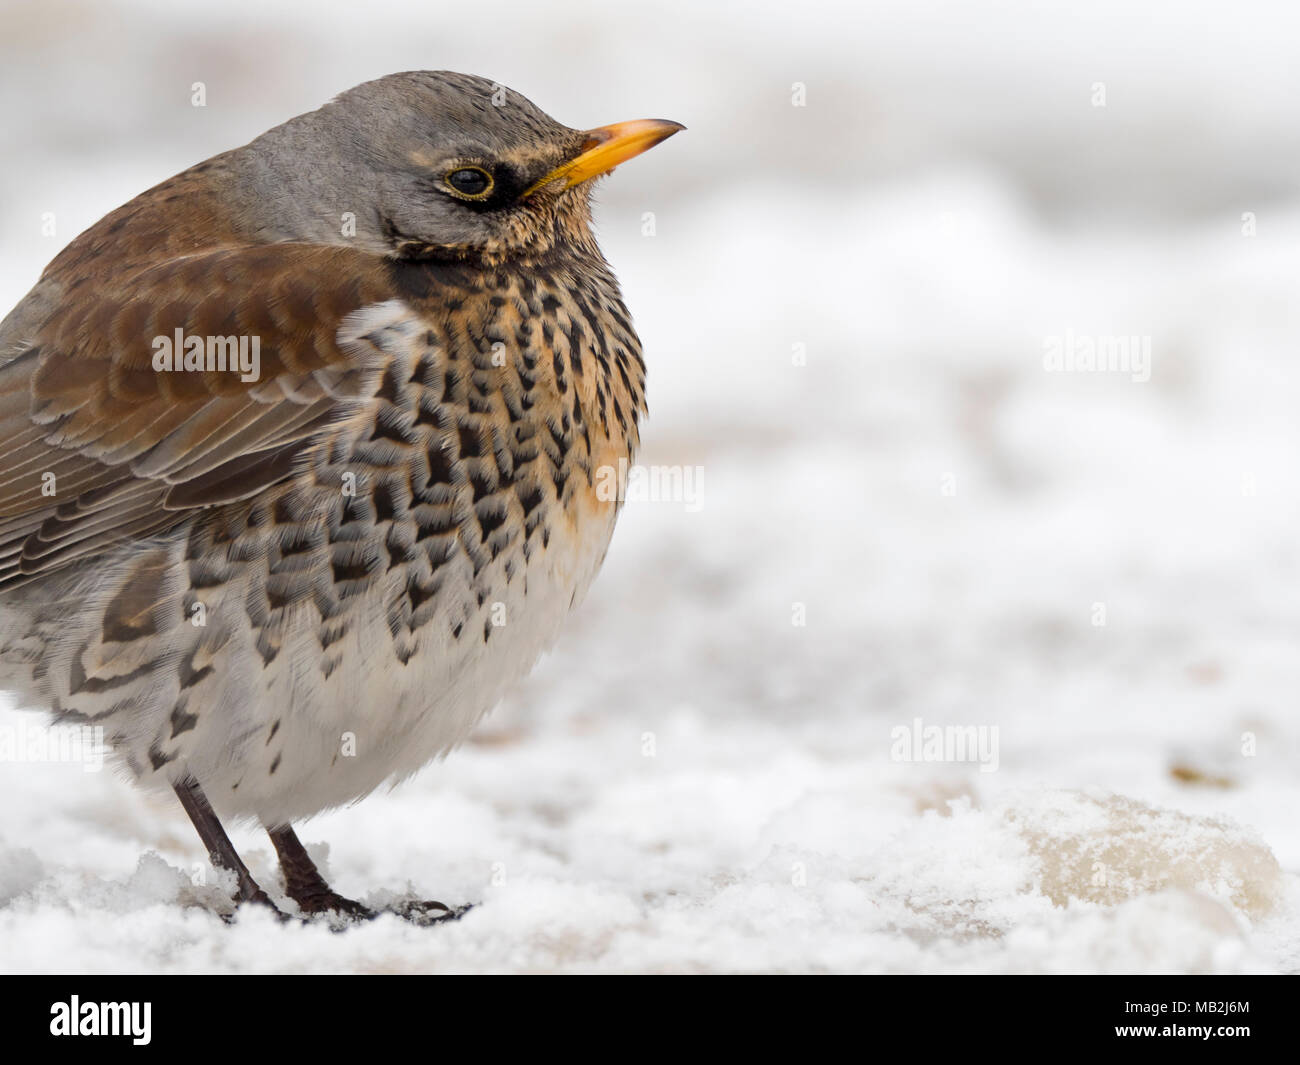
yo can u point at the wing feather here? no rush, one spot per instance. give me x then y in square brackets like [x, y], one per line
[97, 445]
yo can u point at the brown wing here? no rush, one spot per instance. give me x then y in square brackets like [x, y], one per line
[96, 445]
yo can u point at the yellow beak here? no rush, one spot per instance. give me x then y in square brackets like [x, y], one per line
[608, 146]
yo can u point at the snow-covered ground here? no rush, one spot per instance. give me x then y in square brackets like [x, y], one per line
[906, 520]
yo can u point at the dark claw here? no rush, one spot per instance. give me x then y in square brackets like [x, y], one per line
[429, 912]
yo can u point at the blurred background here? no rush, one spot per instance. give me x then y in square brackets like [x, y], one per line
[847, 275]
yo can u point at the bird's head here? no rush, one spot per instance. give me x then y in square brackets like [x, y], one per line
[433, 164]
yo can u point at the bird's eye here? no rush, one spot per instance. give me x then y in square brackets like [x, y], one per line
[470, 181]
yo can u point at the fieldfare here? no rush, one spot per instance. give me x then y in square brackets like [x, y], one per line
[299, 451]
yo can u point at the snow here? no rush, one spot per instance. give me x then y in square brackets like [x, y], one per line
[1102, 569]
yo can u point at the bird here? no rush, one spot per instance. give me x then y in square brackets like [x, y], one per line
[300, 453]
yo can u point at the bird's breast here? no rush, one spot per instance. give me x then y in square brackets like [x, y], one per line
[430, 549]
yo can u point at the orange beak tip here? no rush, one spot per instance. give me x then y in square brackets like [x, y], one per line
[608, 146]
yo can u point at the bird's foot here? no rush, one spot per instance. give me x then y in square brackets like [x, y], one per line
[331, 903]
[304, 884]
[344, 912]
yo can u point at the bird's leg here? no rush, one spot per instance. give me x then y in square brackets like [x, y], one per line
[220, 850]
[303, 882]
